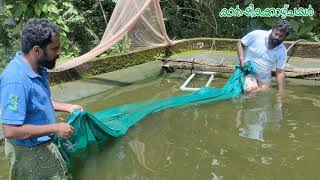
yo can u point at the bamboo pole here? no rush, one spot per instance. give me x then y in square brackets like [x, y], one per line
[290, 71]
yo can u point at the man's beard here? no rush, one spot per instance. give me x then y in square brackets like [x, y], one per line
[274, 41]
[45, 62]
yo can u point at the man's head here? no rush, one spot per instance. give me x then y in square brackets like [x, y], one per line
[41, 40]
[279, 32]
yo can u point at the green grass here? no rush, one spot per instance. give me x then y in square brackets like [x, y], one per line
[186, 53]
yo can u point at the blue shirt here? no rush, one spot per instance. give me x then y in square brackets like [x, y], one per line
[256, 50]
[25, 98]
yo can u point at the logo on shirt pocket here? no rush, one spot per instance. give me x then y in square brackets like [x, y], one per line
[13, 102]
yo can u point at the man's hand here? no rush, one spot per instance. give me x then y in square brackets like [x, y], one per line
[72, 107]
[241, 63]
[63, 130]
[66, 107]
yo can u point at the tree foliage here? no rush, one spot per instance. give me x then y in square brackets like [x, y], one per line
[82, 22]
[194, 18]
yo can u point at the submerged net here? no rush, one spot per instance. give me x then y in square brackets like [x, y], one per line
[99, 127]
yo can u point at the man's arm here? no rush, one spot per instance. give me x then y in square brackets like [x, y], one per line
[240, 52]
[246, 41]
[63, 130]
[65, 107]
[280, 75]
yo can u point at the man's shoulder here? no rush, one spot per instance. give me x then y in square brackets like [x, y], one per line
[259, 32]
[13, 73]
[282, 49]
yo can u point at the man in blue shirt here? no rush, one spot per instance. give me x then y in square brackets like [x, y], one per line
[27, 112]
[264, 49]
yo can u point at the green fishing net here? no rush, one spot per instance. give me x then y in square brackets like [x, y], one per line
[94, 128]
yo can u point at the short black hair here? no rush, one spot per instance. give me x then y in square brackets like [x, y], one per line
[283, 26]
[37, 32]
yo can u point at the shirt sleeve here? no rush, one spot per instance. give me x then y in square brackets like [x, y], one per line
[249, 38]
[13, 103]
[281, 61]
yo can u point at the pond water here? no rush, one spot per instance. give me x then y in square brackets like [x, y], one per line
[258, 136]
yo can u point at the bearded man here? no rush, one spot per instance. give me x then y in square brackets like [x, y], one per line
[27, 111]
[265, 49]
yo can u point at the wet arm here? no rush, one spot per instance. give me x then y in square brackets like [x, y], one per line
[280, 75]
[240, 52]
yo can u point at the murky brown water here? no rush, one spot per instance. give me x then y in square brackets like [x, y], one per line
[262, 136]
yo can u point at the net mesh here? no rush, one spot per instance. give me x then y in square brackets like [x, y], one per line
[139, 20]
[99, 127]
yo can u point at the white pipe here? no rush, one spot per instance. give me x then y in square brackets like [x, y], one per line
[184, 87]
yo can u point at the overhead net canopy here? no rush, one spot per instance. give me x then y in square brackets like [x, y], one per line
[141, 21]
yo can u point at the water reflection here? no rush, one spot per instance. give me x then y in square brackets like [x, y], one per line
[139, 150]
[257, 112]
